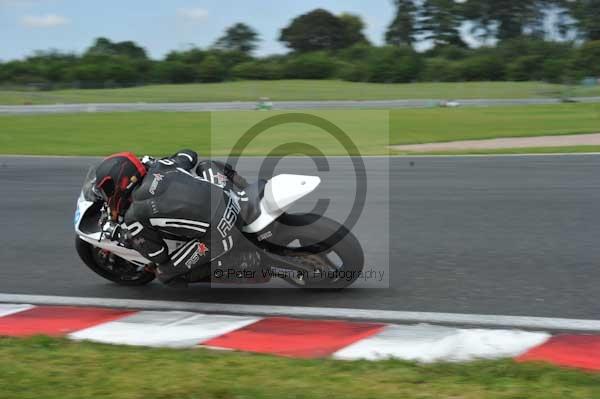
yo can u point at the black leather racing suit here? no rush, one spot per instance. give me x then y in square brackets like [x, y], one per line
[171, 202]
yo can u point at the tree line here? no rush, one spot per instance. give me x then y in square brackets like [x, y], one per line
[550, 40]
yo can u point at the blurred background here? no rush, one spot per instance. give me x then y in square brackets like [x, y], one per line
[265, 49]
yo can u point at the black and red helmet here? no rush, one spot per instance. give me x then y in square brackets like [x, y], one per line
[116, 177]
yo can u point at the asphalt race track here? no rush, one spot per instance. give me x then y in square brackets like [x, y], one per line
[511, 235]
[277, 105]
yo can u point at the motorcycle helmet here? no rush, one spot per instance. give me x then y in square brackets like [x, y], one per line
[116, 177]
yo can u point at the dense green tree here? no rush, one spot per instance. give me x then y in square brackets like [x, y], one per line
[321, 30]
[587, 17]
[103, 46]
[52, 65]
[121, 74]
[522, 46]
[449, 52]
[191, 56]
[354, 72]
[21, 72]
[441, 70]
[530, 58]
[229, 59]
[130, 49]
[173, 72]
[403, 29]
[258, 70]
[239, 37]
[211, 70]
[587, 60]
[353, 29]
[555, 70]
[393, 64]
[360, 51]
[524, 68]
[506, 19]
[441, 21]
[315, 65]
[483, 67]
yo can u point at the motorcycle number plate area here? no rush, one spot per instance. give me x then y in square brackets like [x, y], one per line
[77, 216]
[82, 206]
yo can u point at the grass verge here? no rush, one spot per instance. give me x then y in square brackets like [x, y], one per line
[162, 133]
[42, 367]
[282, 90]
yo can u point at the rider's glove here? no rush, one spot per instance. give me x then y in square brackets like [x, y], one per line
[234, 177]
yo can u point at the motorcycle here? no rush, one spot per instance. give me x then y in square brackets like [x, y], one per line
[305, 250]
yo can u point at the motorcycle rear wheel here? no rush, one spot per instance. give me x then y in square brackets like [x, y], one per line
[118, 270]
[331, 246]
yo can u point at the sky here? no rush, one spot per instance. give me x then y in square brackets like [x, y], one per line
[161, 26]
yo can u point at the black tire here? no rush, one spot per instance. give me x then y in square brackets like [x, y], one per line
[322, 236]
[86, 253]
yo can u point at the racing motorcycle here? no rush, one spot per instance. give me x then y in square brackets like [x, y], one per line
[306, 250]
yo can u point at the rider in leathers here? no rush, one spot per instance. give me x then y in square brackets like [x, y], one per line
[169, 201]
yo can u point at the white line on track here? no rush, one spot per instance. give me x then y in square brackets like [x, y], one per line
[392, 316]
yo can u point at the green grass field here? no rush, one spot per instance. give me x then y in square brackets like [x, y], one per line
[42, 367]
[281, 90]
[164, 133]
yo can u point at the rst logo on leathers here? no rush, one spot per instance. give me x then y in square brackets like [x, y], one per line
[202, 250]
[229, 217]
[157, 178]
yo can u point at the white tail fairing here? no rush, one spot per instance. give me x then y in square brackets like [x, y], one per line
[280, 193]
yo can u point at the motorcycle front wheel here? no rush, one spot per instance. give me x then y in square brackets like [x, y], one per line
[333, 251]
[112, 267]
